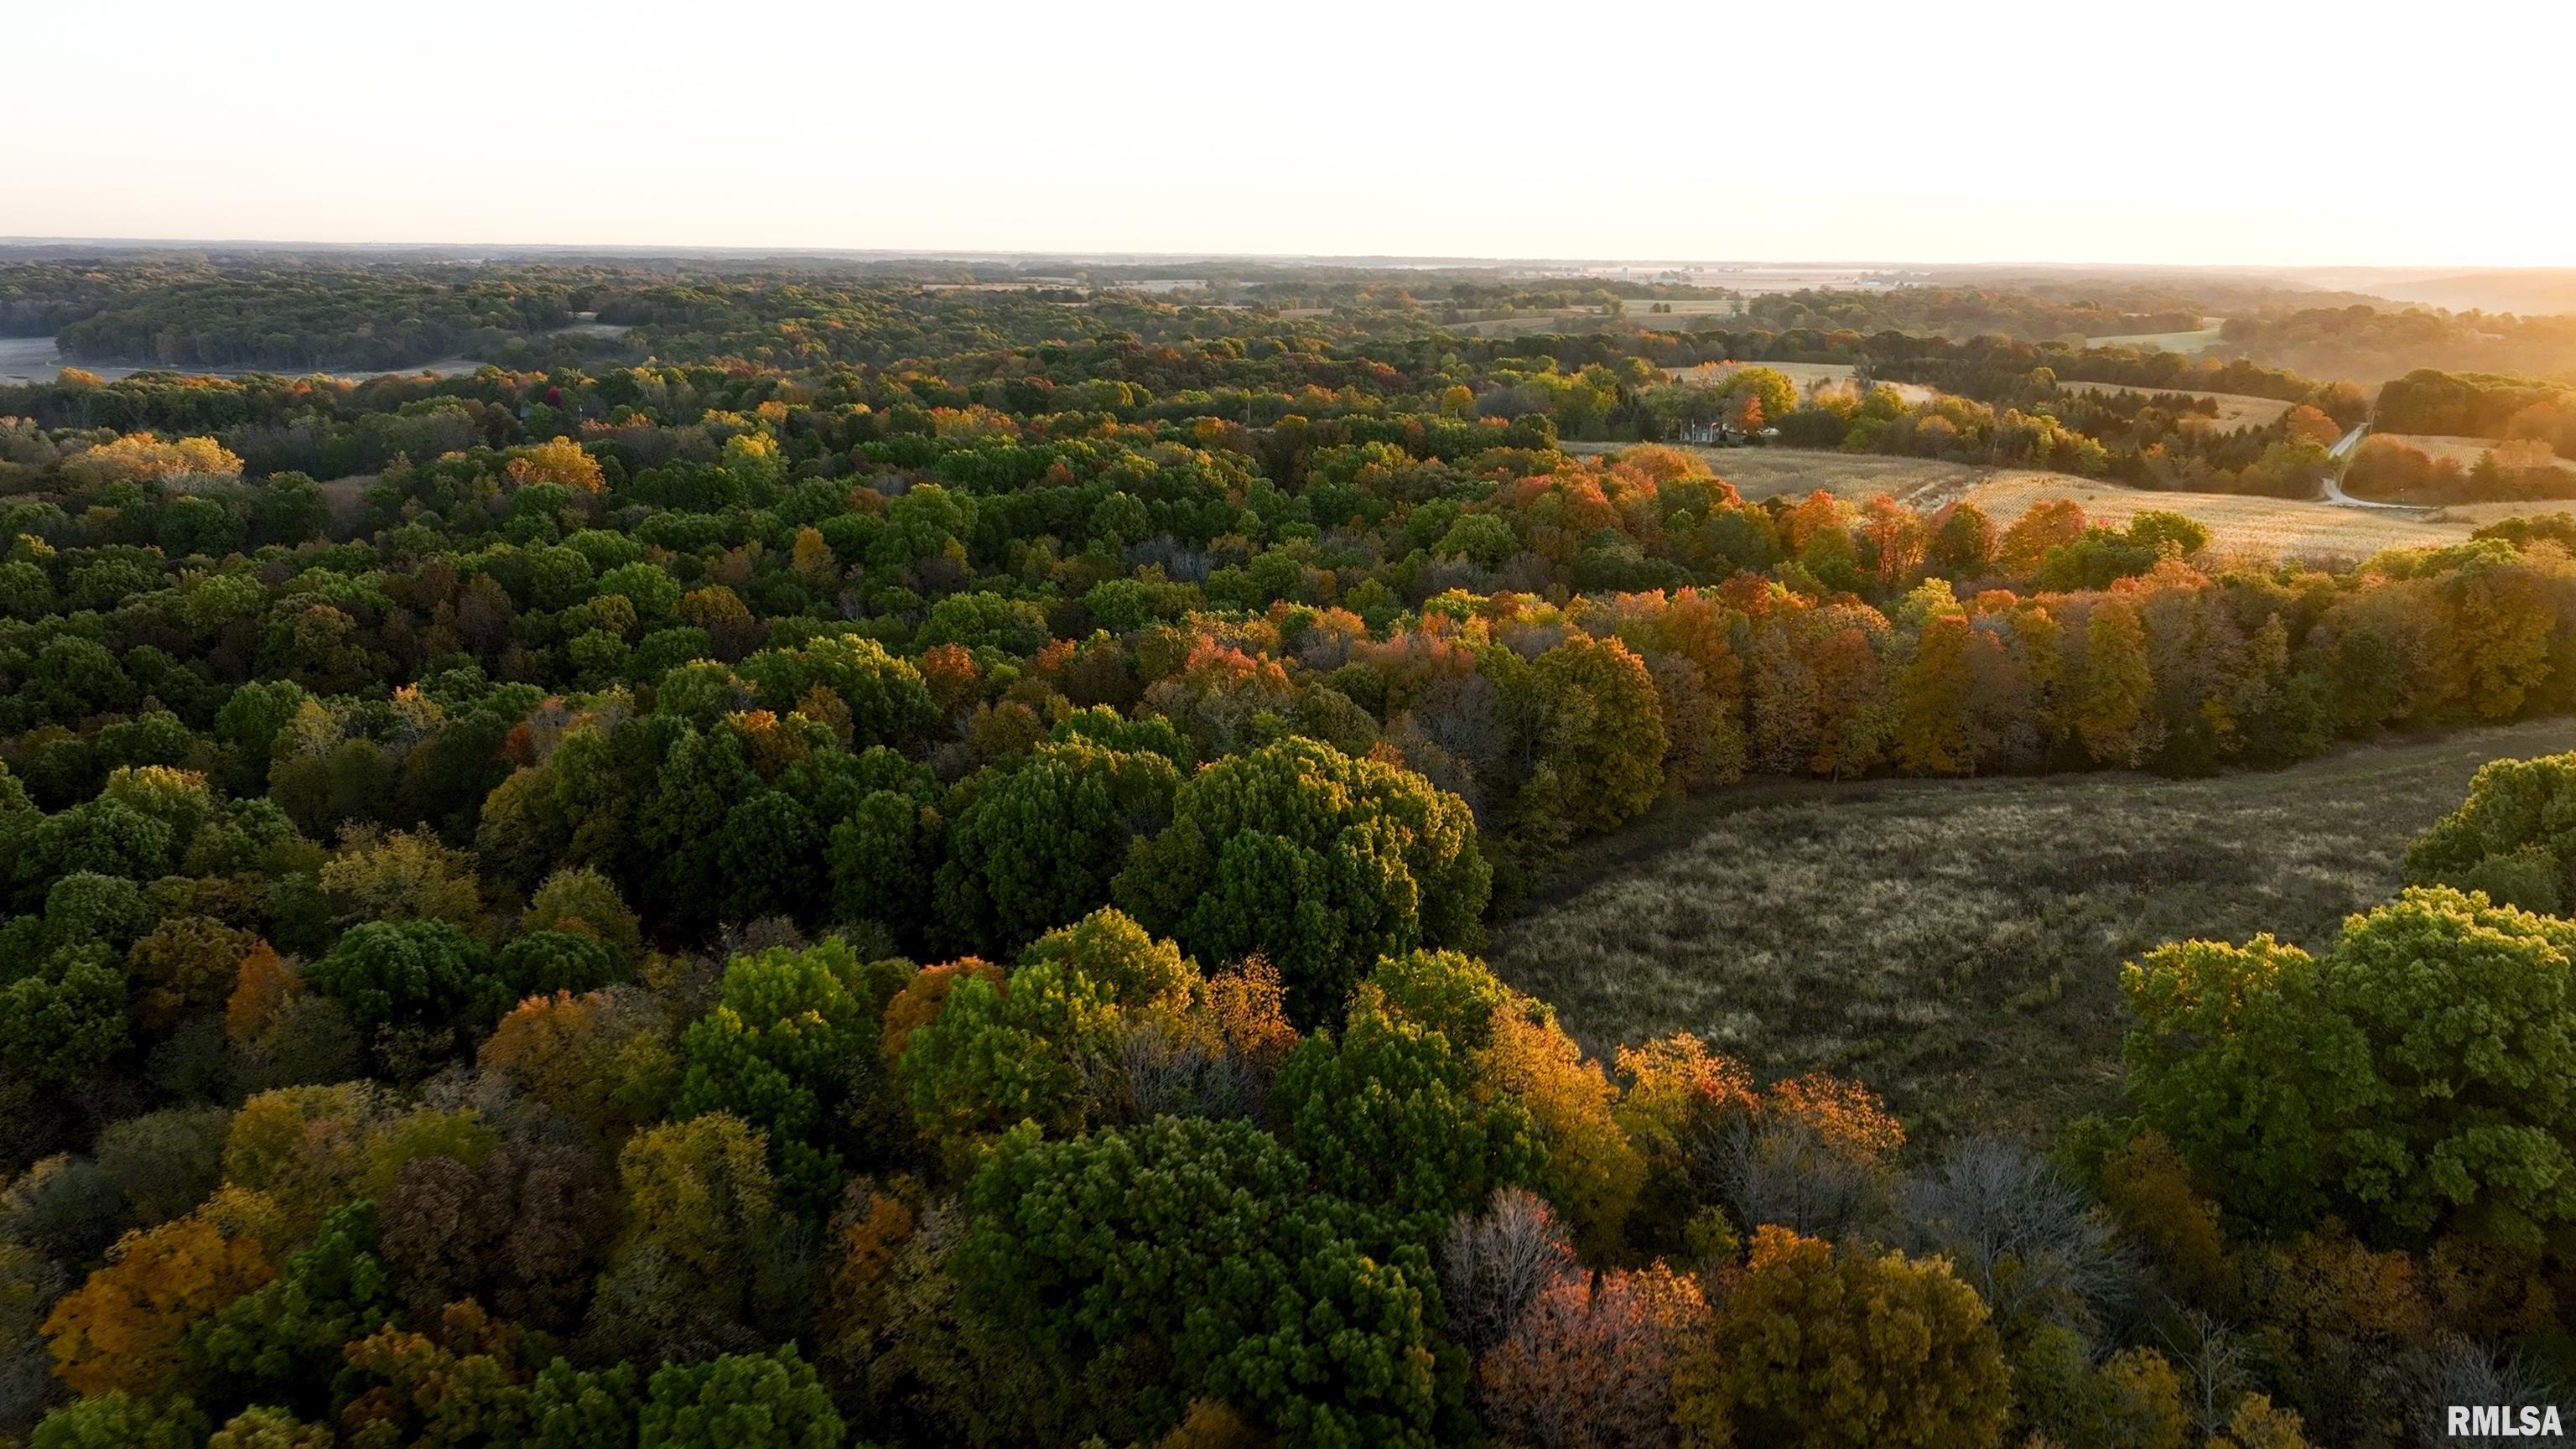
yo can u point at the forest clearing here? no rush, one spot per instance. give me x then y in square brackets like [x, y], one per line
[1956, 944]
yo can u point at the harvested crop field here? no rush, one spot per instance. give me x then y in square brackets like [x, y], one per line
[1957, 944]
[2239, 524]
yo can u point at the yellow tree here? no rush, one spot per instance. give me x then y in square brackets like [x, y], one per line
[121, 1328]
[1932, 691]
[2111, 704]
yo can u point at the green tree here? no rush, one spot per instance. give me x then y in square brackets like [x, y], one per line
[1039, 843]
[62, 1017]
[1387, 1113]
[1603, 733]
[2419, 1075]
[776, 1050]
[425, 975]
[282, 1344]
[2514, 837]
[739, 1401]
[116, 1420]
[1316, 860]
[1188, 1258]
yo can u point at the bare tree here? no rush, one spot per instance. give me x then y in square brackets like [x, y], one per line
[1495, 1263]
[2459, 1371]
[1783, 1172]
[2018, 1231]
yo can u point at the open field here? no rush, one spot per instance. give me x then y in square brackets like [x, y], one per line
[2238, 523]
[2235, 409]
[1807, 375]
[1771, 471]
[1560, 319]
[2463, 451]
[1957, 944]
[2169, 341]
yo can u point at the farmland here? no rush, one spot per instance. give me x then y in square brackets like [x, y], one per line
[1956, 944]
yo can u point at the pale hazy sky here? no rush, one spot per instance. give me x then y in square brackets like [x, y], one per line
[2192, 132]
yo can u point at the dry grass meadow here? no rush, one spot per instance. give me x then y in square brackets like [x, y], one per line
[1770, 472]
[2463, 451]
[1957, 944]
[2239, 524]
[2169, 341]
[1807, 375]
[2235, 409]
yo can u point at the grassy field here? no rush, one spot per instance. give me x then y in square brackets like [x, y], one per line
[1807, 375]
[2463, 451]
[2169, 341]
[2235, 409]
[1957, 944]
[1919, 482]
[2238, 524]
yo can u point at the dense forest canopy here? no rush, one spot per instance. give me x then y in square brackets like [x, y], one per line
[856, 863]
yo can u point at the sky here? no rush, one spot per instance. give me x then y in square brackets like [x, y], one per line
[2248, 133]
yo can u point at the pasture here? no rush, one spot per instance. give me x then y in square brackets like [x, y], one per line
[1957, 944]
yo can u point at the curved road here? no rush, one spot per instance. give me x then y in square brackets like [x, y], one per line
[2340, 455]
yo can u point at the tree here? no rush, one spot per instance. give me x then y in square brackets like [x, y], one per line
[1932, 732]
[1039, 843]
[738, 1401]
[1198, 1245]
[425, 975]
[523, 1231]
[184, 967]
[701, 1201]
[1386, 1114]
[1963, 542]
[1604, 739]
[774, 1051]
[1031, 1048]
[1588, 1364]
[118, 1420]
[1317, 861]
[581, 900]
[2510, 837]
[121, 1329]
[281, 1344]
[64, 1016]
[606, 1059]
[2113, 718]
[2413, 1077]
[1823, 1347]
